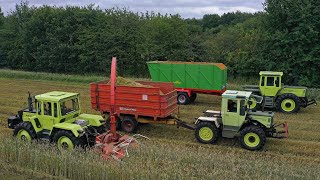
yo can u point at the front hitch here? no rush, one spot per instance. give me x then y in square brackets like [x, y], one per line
[309, 102]
[284, 133]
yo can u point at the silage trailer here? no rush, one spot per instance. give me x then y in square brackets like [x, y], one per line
[190, 78]
[154, 102]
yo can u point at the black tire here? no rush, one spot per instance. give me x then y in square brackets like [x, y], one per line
[288, 97]
[252, 138]
[129, 124]
[183, 98]
[26, 126]
[118, 123]
[193, 97]
[210, 137]
[63, 133]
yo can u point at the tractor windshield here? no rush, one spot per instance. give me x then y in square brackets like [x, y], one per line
[69, 106]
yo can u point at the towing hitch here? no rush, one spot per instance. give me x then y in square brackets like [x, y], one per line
[280, 134]
[309, 102]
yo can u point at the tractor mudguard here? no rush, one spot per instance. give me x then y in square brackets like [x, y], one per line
[298, 91]
[74, 128]
[93, 120]
[35, 123]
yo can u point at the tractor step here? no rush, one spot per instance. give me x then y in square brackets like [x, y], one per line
[44, 134]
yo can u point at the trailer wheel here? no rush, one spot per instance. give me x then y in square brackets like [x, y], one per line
[129, 124]
[252, 138]
[288, 103]
[206, 132]
[25, 131]
[183, 98]
[193, 97]
[118, 123]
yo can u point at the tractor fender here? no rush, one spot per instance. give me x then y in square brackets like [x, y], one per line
[74, 128]
[93, 120]
[208, 119]
[35, 123]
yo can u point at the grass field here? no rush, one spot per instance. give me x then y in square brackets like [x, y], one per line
[171, 154]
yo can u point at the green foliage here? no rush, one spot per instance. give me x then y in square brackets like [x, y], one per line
[294, 41]
[82, 40]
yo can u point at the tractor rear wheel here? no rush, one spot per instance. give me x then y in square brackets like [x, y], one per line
[25, 131]
[206, 132]
[183, 98]
[66, 140]
[288, 103]
[129, 124]
[252, 138]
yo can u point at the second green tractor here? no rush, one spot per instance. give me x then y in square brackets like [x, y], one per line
[287, 99]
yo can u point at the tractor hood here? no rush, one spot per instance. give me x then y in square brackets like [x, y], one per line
[264, 117]
[261, 113]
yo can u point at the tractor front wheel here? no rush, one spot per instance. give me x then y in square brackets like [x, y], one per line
[206, 132]
[288, 103]
[183, 98]
[25, 131]
[252, 138]
[66, 140]
[254, 105]
[129, 124]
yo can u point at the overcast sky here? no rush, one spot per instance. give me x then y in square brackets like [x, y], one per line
[186, 8]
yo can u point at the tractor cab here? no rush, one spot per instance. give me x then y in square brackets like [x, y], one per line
[57, 107]
[234, 109]
[270, 83]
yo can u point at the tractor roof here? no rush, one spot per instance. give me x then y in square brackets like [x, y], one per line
[236, 94]
[270, 73]
[55, 96]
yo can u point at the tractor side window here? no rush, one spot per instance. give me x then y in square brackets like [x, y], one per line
[270, 81]
[243, 108]
[55, 110]
[39, 108]
[47, 108]
[232, 105]
[277, 81]
[262, 81]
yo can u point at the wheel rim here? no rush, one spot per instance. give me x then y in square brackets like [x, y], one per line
[182, 99]
[205, 133]
[24, 135]
[64, 143]
[251, 139]
[254, 103]
[288, 105]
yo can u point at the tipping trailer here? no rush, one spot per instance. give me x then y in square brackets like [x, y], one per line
[155, 102]
[190, 78]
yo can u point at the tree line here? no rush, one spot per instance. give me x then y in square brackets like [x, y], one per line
[82, 40]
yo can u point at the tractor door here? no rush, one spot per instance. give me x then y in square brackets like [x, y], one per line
[48, 114]
[230, 117]
[270, 85]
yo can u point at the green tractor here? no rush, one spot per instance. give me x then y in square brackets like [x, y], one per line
[56, 117]
[236, 119]
[287, 99]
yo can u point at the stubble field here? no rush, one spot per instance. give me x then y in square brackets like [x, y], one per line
[171, 154]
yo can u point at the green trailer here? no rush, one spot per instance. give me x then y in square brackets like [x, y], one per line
[190, 78]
